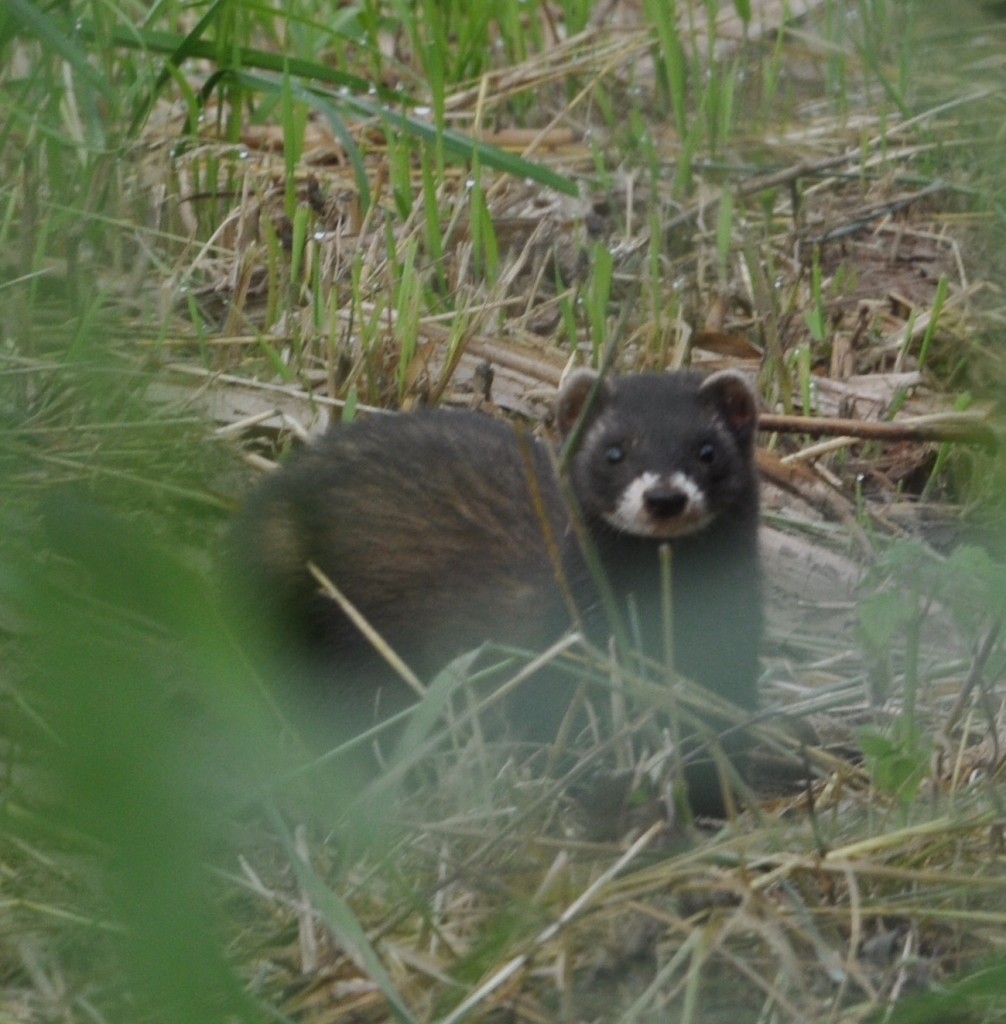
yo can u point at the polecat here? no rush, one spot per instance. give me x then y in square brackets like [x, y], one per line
[446, 529]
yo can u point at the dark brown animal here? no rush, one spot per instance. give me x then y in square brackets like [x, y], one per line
[447, 529]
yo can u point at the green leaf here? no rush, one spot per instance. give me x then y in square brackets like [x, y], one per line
[974, 997]
[882, 616]
[898, 762]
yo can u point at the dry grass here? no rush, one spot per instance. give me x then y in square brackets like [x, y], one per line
[832, 245]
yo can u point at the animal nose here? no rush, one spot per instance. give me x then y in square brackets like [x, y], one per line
[664, 501]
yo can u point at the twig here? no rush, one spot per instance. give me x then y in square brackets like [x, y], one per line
[802, 169]
[868, 217]
[984, 650]
[963, 428]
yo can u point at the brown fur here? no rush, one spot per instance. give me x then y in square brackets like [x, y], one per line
[447, 529]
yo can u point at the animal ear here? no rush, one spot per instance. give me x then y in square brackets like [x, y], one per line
[573, 398]
[735, 401]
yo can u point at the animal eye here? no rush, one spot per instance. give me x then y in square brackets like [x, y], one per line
[707, 453]
[615, 453]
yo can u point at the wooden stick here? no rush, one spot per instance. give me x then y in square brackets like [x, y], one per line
[966, 429]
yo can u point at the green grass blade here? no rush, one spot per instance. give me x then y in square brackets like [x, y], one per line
[53, 38]
[466, 149]
[455, 144]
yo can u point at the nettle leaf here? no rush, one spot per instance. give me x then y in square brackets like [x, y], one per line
[974, 584]
[897, 761]
[883, 616]
[910, 579]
